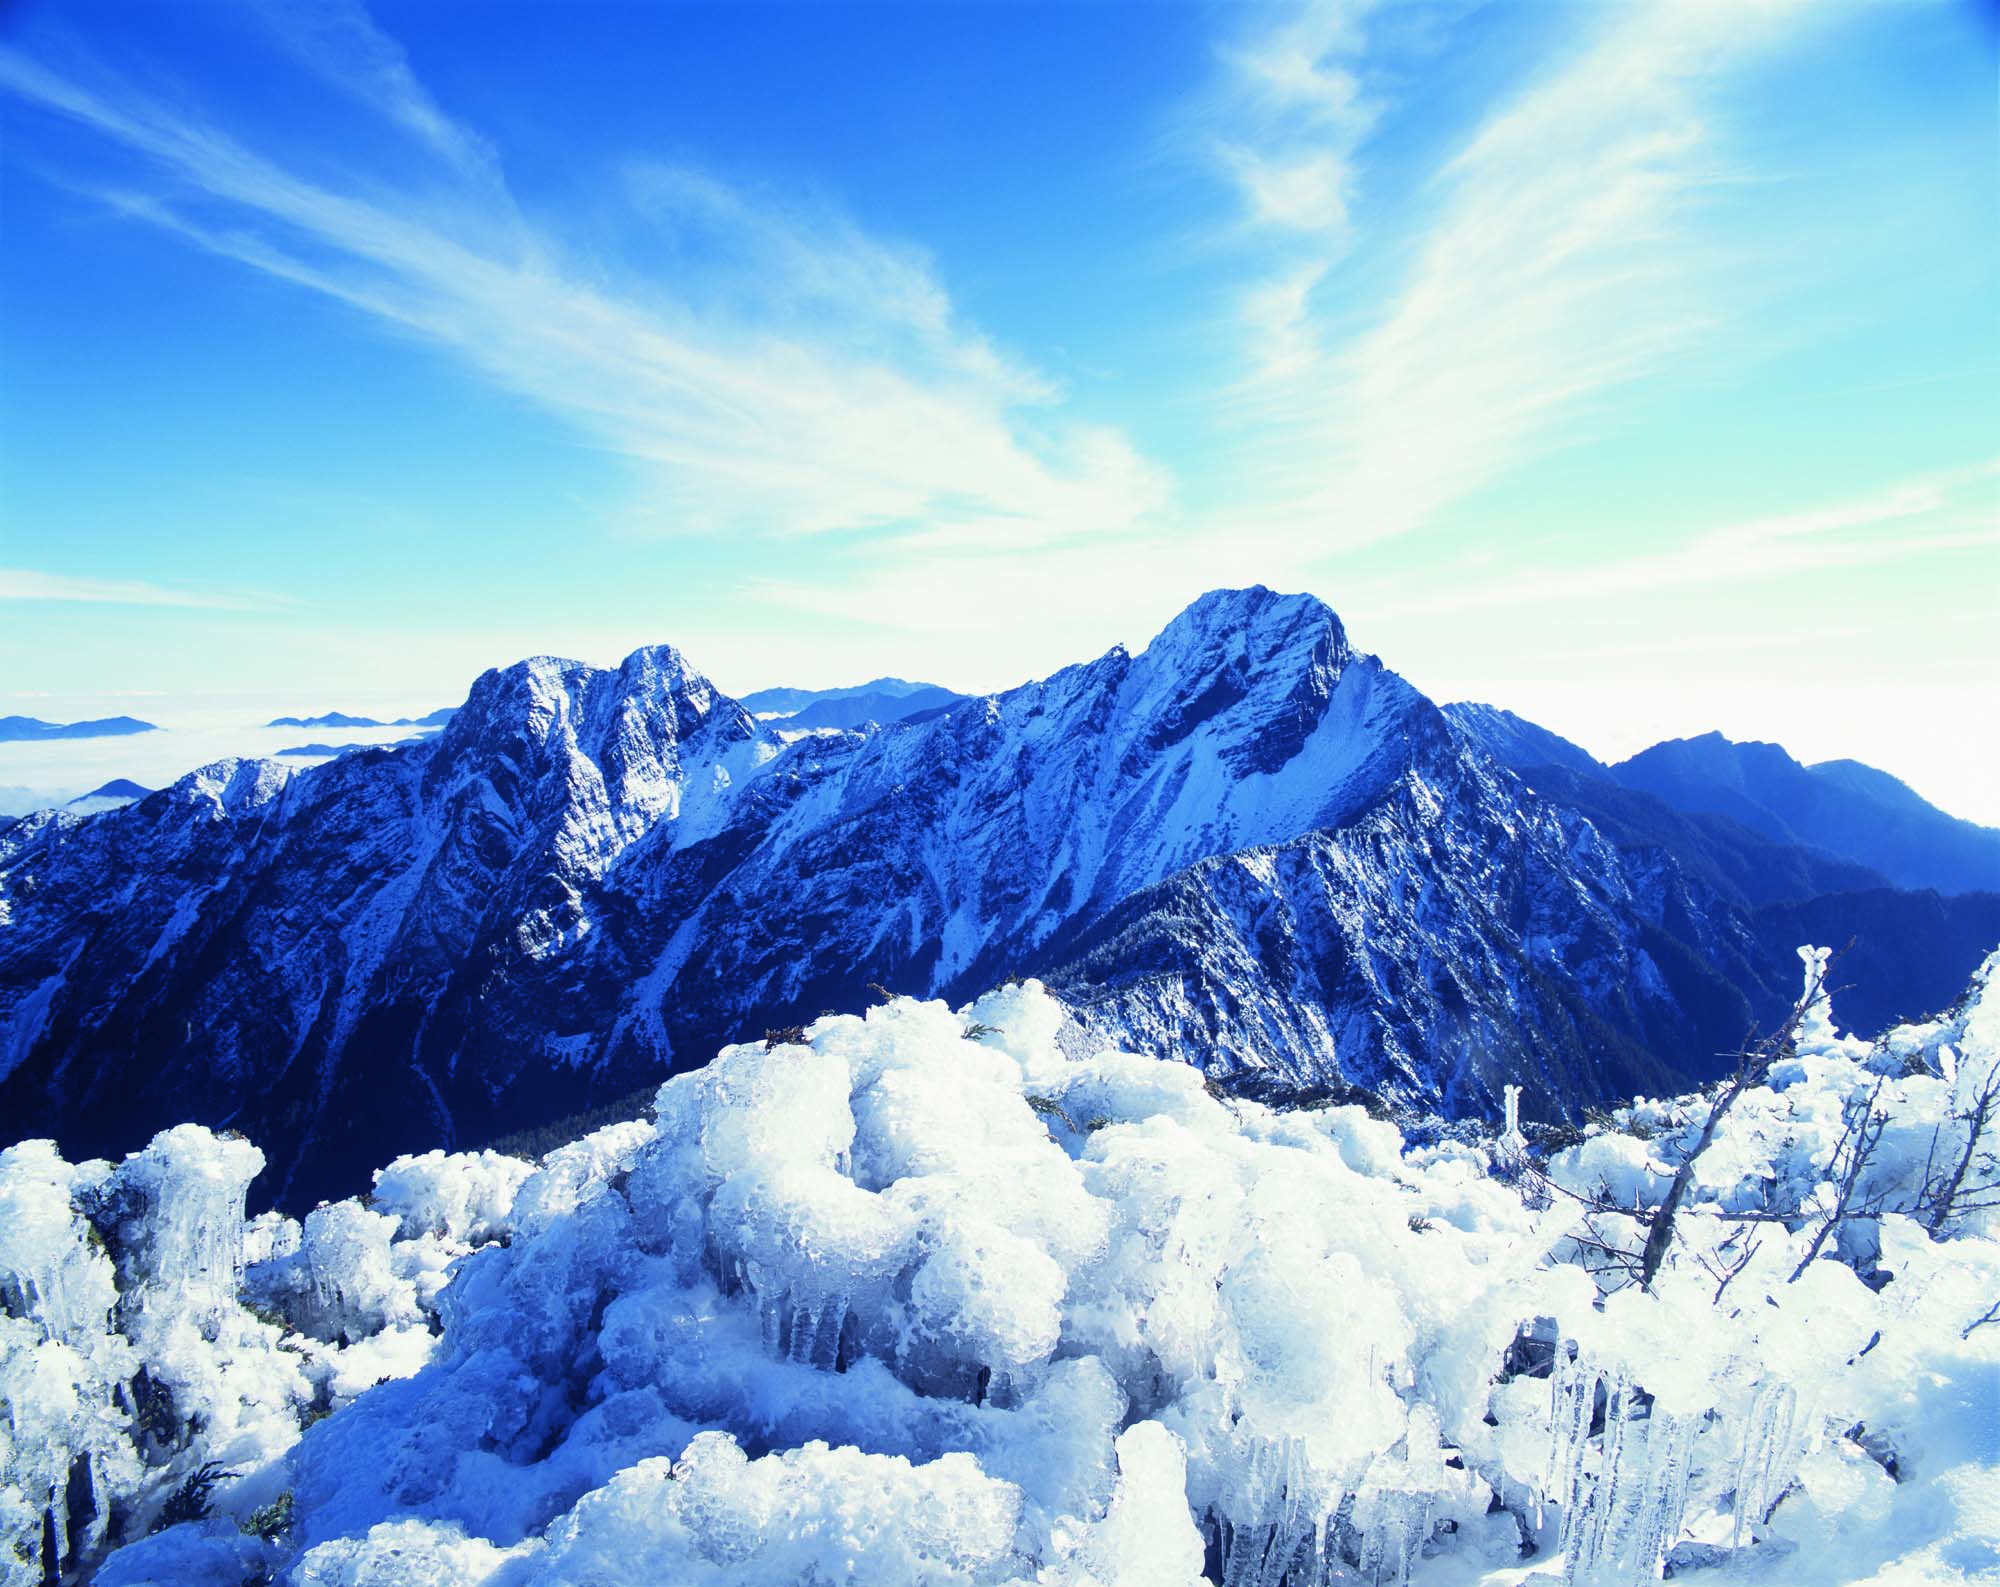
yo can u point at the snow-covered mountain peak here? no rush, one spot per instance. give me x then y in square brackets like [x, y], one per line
[592, 873]
[232, 787]
[1251, 667]
[660, 677]
[1259, 626]
[609, 736]
[528, 698]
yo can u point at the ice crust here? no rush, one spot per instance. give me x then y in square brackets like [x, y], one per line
[920, 1299]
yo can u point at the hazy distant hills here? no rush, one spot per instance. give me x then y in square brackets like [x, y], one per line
[1738, 862]
[113, 795]
[30, 729]
[1837, 853]
[1750, 816]
[1840, 807]
[883, 701]
[783, 702]
[436, 718]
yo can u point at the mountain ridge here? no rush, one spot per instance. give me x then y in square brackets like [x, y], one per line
[1841, 811]
[1841, 807]
[32, 729]
[435, 718]
[591, 876]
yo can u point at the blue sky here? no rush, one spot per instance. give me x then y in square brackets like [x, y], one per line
[1634, 366]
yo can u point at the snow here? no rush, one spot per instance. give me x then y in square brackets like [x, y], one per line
[924, 1298]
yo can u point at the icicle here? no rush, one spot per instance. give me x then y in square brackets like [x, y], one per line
[1670, 1456]
[1276, 1533]
[1774, 1436]
[1398, 1497]
[833, 1321]
[1244, 1551]
[1573, 1395]
[1618, 1523]
[1510, 1152]
[1591, 1518]
[802, 1328]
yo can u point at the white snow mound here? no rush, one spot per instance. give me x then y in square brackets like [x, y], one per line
[922, 1300]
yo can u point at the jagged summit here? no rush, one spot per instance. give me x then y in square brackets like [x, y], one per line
[231, 787]
[1247, 845]
[1710, 756]
[1260, 624]
[1259, 665]
[550, 697]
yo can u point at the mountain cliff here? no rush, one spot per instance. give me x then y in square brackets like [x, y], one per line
[1248, 844]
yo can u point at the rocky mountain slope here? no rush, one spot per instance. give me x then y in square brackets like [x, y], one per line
[1249, 844]
[1517, 743]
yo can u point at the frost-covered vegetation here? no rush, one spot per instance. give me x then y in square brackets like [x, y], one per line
[919, 1298]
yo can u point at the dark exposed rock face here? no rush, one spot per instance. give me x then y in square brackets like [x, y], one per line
[1247, 844]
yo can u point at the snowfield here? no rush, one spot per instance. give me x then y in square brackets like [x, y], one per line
[921, 1298]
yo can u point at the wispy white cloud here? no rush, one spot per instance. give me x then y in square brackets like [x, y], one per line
[1294, 113]
[1284, 128]
[340, 41]
[824, 381]
[1954, 510]
[1555, 262]
[25, 584]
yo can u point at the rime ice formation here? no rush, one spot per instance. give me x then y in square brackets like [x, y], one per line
[921, 1298]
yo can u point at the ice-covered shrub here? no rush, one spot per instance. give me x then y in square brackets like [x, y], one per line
[464, 1198]
[921, 1298]
[159, 1355]
[899, 1242]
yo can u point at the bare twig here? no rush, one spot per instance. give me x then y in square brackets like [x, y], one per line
[1753, 1067]
[1724, 1271]
[1858, 1139]
[1977, 1117]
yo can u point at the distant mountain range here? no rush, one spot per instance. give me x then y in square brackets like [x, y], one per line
[317, 751]
[118, 788]
[884, 701]
[783, 702]
[341, 719]
[1249, 845]
[1838, 811]
[29, 729]
[1839, 807]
